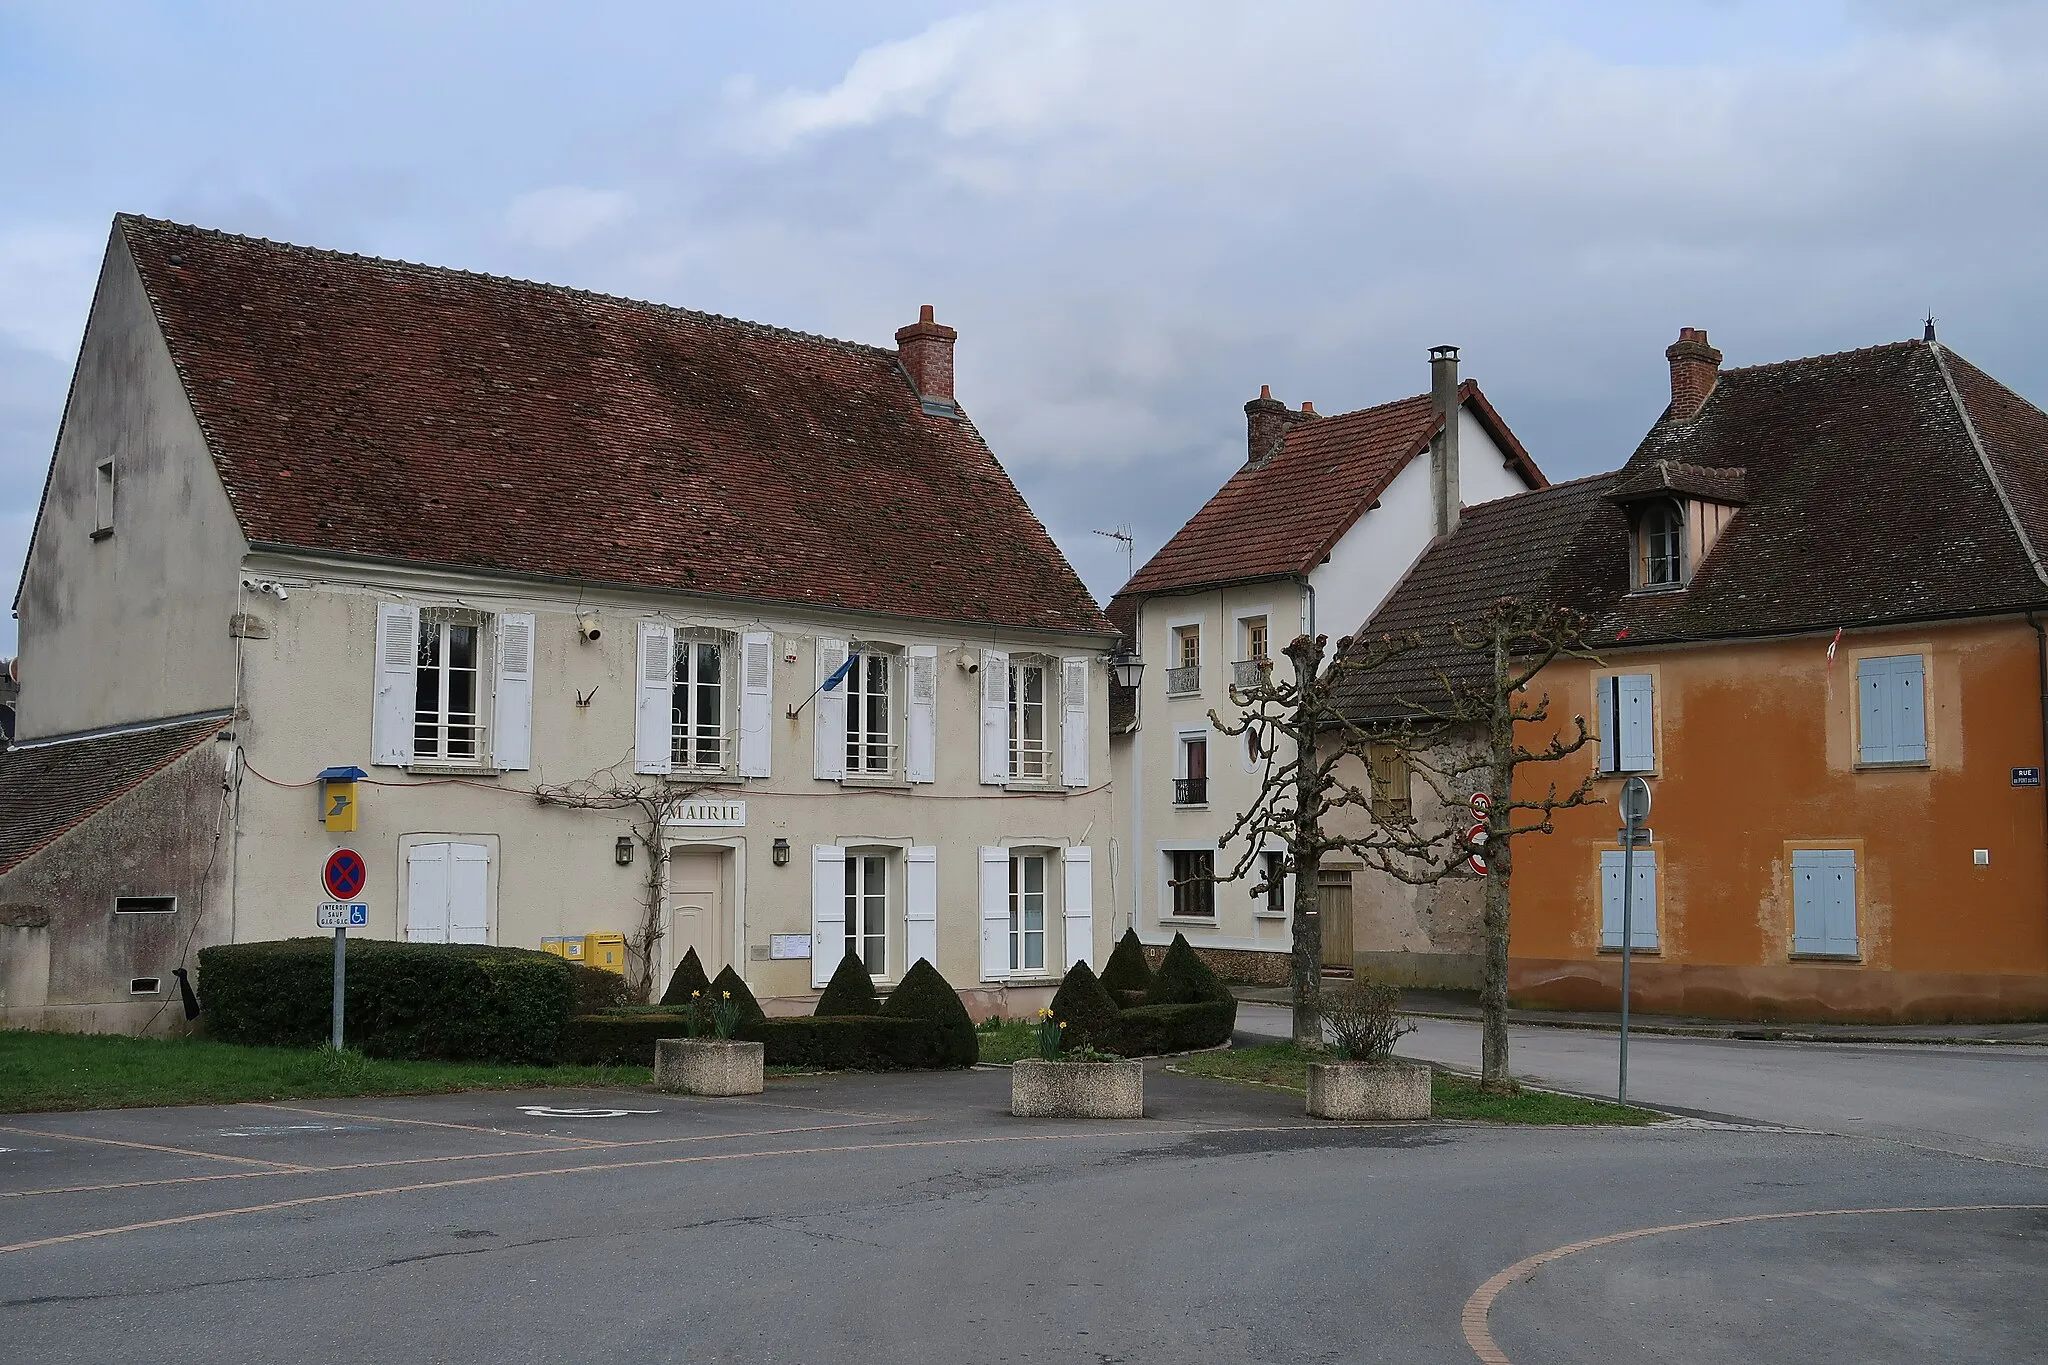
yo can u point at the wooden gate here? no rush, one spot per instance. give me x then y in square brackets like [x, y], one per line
[1334, 904]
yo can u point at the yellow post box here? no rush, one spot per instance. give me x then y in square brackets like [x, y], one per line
[338, 798]
[570, 948]
[606, 951]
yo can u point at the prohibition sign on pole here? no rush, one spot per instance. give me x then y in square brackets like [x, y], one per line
[344, 874]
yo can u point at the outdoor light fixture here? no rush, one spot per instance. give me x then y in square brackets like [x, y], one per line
[780, 852]
[1126, 668]
[622, 851]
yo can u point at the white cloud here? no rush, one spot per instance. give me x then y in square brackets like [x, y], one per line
[565, 216]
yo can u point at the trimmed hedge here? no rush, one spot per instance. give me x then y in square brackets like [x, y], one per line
[863, 1042]
[1087, 1011]
[728, 981]
[858, 1042]
[1127, 970]
[924, 994]
[1184, 979]
[687, 977]
[438, 1001]
[595, 989]
[1148, 1030]
[850, 991]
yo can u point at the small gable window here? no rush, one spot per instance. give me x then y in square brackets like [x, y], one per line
[1660, 555]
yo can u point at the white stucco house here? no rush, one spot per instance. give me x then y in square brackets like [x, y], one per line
[489, 541]
[1309, 535]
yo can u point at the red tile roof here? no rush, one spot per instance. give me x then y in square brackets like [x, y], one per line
[47, 789]
[406, 412]
[1282, 516]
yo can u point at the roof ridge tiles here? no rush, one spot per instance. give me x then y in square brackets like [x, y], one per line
[1908, 344]
[565, 290]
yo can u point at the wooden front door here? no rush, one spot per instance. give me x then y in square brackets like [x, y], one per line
[1333, 891]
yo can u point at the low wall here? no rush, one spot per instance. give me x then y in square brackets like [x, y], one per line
[1794, 993]
[1422, 971]
[1238, 966]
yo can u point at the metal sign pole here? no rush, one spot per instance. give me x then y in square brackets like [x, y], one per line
[340, 977]
[1635, 809]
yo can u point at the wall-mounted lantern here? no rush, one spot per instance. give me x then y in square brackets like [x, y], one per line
[1126, 668]
[780, 852]
[622, 851]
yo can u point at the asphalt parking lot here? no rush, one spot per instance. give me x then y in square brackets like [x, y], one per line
[909, 1218]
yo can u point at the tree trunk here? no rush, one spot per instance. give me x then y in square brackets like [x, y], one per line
[1307, 857]
[1493, 995]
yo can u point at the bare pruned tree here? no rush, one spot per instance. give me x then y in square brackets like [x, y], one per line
[647, 803]
[1460, 736]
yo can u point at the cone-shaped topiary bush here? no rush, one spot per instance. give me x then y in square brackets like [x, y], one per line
[750, 1008]
[1184, 979]
[1127, 970]
[924, 994]
[850, 991]
[689, 976]
[1087, 1011]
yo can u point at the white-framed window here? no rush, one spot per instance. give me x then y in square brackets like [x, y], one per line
[867, 910]
[700, 730]
[1257, 646]
[1030, 719]
[1191, 878]
[1184, 668]
[870, 727]
[1027, 911]
[1272, 896]
[448, 688]
[1891, 709]
[448, 891]
[1627, 717]
[103, 499]
[1660, 552]
[1191, 769]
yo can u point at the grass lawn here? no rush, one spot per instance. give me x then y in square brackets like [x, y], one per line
[1451, 1097]
[1017, 1038]
[42, 1071]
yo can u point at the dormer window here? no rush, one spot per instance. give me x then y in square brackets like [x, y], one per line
[1660, 557]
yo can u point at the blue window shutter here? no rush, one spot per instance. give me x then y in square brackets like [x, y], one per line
[1873, 690]
[1610, 899]
[1642, 910]
[1909, 710]
[1809, 902]
[1638, 732]
[1610, 734]
[1840, 875]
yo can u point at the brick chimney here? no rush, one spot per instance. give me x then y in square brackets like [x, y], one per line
[1695, 366]
[1265, 426]
[926, 349]
[1443, 447]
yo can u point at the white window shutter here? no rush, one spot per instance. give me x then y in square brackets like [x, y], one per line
[1610, 900]
[1638, 728]
[1074, 737]
[512, 715]
[995, 725]
[828, 910]
[654, 716]
[398, 656]
[1838, 873]
[1909, 709]
[995, 912]
[921, 762]
[921, 902]
[1079, 896]
[469, 893]
[1642, 910]
[757, 683]
[426, 893]
[828, 718]
[1809, 902]
[1604, 721]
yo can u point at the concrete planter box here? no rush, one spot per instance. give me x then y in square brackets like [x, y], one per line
[1368, 1091]
[708, 1066]
[1077, 1090]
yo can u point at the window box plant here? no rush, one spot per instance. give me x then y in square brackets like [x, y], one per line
[717, 1065]
[1075, 1082]
[1367, 1083]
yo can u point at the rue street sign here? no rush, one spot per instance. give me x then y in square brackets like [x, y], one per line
[336, 915]
[2026, 777]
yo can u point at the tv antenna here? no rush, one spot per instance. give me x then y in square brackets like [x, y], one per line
[1122, 535]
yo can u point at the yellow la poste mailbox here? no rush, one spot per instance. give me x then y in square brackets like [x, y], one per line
[338, 798]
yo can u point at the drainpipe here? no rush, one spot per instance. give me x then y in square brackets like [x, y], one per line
[2041, 671]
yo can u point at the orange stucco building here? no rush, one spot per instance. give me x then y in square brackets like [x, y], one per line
[1811, 598]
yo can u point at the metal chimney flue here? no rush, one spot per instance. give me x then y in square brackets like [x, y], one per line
[1443, 447]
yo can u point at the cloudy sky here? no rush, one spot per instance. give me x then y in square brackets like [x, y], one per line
[1135, 213]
